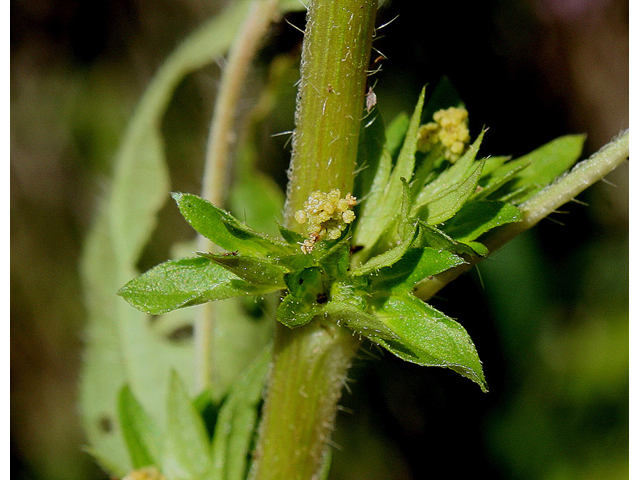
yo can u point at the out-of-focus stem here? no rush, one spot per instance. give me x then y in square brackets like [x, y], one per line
[215, 178]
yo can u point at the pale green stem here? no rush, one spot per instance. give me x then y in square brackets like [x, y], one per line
[564, 189]
[215, 178]
[310, 362]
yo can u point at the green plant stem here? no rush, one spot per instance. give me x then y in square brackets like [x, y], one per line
[216, 170]
[310, 363]
[330, 98]
[564, 189]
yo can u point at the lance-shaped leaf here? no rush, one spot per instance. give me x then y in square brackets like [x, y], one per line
[497, 171]
[138, 430]
[188, 281]
[540, 167]
[440, 199]
[430, 236]
[254, 270]
[428, 337]
[381, 208]
[363, 323]
[236, 423]
[477, 218]
[389, 257]
[225, 230]
[415, 265]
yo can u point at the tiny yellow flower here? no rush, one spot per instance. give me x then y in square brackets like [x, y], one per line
[450, 129]
[326, 216]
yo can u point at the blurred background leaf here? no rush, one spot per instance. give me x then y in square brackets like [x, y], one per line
[551, 323]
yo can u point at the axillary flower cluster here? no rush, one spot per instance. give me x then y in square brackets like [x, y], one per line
[449, 129]
[326, 216]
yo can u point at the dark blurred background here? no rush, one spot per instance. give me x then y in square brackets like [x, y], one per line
[548, 314]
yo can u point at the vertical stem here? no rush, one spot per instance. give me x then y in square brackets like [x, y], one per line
[310, 363]
[335, 58]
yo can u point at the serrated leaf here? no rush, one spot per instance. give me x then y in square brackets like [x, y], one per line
[237, 421]
[442, 198]
[225, 230]
[185, 282]
[382, 205]
[414, 266]
[477, 218]
[139, 432]
[543, 166]
[188, 450]
[254, 270]
[428, 337]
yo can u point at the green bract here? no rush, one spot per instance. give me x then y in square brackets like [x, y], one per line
[421, 215]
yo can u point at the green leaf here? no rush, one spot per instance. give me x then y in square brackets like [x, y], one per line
[388, 257]
[254, 270]
[380, 209]
[543, 166]
[495, 174]
[477, 218]
[371, 143]
[225, 230]
[396, 133]
[237, 421]
[444, 96]
[430, 236]
[181, 283]
[120, 346]
[258, 201]
[292, 238]
[442, 198]
[355, 318]
[188, 450]
[138, 430]
[428, 337]
[414, 266]
[294, 312]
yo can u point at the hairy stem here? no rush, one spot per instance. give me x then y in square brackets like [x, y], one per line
[583, 175]
[310, 363]
[215, 178]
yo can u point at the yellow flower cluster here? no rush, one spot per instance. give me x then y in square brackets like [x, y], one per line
[147, 473]
[450, 129]
[326, 215]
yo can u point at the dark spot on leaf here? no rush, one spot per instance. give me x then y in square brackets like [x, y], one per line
[300, 281]
[356, 249]
[181, 333]
[321, 298]
[105, 424]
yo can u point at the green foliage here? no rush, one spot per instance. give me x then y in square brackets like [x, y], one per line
[420, 218]
[124, 346]
[184, 449]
